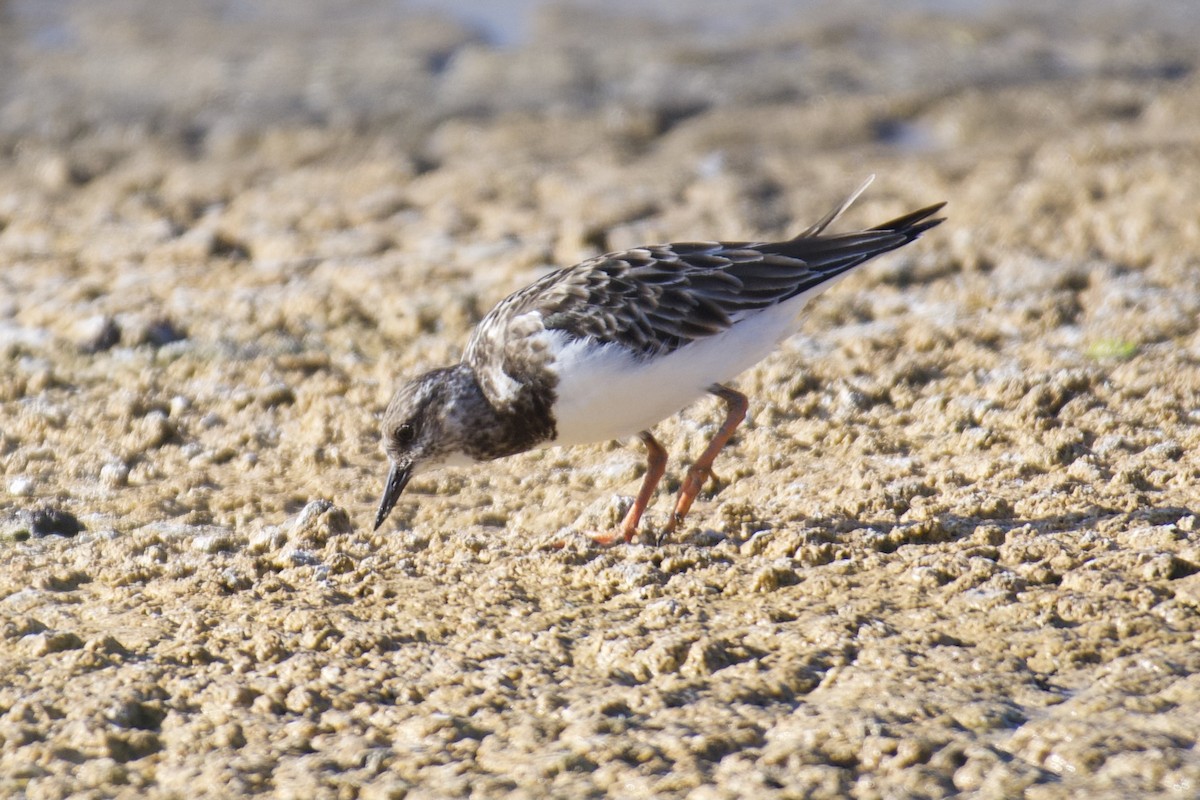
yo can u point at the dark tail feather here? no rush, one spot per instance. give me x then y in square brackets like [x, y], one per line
[910, 225]
[914, 224]
[829, 255]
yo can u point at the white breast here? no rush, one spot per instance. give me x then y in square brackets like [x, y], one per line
[606, 392]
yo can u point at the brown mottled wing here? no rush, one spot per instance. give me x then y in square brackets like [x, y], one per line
[656, 299]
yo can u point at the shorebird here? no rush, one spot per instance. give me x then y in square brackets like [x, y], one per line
[611, 346]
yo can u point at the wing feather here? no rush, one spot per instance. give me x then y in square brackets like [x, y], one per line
[656, 299]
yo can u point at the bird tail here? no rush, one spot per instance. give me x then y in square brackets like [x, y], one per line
[831, 254]
[914, 224]
[910, 226]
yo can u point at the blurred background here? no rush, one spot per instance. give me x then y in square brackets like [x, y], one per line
[206, 70]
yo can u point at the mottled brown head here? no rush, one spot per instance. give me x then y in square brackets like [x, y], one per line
[427, 425]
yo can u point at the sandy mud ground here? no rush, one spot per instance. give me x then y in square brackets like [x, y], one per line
[955, 549]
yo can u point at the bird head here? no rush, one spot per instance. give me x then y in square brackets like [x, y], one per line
[417, 433]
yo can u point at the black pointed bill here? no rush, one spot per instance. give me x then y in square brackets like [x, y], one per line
[397, 480]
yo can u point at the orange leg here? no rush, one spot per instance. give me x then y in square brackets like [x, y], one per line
[656, 465]
[735, 411]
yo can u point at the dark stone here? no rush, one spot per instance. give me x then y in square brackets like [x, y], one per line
[163, 331]
[48, 521]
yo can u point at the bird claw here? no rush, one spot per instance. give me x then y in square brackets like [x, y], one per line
[613, 538]
[661, 536]
[610, 539]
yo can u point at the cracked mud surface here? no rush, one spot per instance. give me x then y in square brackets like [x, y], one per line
[955, 547]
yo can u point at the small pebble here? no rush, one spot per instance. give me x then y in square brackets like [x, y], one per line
[100, 334]
[277, 394]
[20, 486]
[47, 642]
[216, 542]
[271, 538]
[114, 475]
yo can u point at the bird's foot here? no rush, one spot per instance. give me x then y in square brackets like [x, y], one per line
[624, 534]
[610, 539]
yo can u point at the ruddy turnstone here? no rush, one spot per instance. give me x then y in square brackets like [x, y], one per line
[611, 346]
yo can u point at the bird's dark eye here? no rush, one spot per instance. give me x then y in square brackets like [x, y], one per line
[404, 435]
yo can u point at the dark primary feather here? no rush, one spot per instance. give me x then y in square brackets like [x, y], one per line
[656, 299]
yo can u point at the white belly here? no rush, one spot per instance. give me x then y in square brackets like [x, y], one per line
[608, 393]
